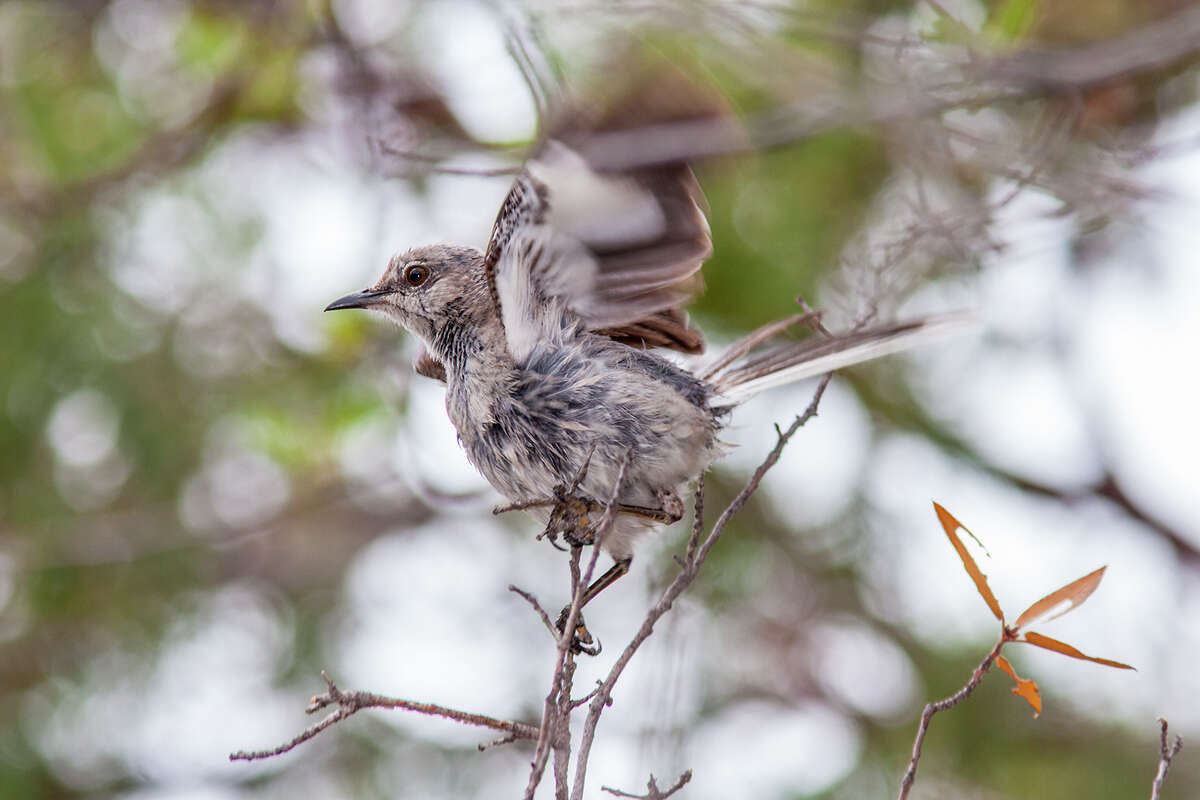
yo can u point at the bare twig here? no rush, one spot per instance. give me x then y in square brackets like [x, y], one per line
[562, 727]
[515, 42]
[697, 523]
[546, 730]
[537, 607]
[910, 774]
[582, 701]
[1167, 754]
[557, 706]
[349, 703]
[503, 740]
[652, 790]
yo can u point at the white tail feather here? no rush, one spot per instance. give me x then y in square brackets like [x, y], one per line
[930, 330]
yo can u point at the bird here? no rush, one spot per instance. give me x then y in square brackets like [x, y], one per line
[551, 342]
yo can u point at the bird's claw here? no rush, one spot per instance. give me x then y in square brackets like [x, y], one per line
[581, 638]
[672, 506]
[571, 515]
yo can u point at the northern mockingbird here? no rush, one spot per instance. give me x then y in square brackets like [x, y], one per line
[546, 342]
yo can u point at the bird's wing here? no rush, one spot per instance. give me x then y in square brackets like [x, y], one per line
[620, 251]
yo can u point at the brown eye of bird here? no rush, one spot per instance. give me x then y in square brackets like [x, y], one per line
[416, 274]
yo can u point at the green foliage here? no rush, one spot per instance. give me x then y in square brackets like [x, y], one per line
[1012, 19]
[780, 221]
[211, 42]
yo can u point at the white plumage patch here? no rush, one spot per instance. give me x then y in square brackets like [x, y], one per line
[606, 250]
[603, 210]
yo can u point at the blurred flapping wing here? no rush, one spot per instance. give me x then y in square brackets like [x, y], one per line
[618, 251]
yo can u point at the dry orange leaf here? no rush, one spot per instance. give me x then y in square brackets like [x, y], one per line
[1073, 594]
[1046, 643]
[1025, 688]
[950, 524]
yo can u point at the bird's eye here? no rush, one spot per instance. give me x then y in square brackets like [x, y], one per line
[416, 274]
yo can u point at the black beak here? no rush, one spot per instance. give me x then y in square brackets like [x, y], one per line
[361, 299]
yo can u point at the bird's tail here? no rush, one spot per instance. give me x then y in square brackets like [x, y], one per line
[738, 376]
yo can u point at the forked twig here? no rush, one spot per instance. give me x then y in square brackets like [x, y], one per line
[1167, 754]
[349, 703]
[537, 607]
[652, 790]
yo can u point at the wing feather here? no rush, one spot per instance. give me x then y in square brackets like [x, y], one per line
[607, 250]
[617, 251]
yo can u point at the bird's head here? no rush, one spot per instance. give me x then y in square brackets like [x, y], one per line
[426, 288]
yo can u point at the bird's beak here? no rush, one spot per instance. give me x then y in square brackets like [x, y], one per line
[364, 299]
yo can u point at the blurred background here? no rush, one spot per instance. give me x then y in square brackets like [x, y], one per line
[209, 491]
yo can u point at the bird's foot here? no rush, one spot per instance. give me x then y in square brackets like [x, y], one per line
[581, 638]
[578, 517]
[575, 516]
[672, 506]
[572, 515]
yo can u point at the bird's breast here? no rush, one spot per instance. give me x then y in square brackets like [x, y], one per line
[531, 427]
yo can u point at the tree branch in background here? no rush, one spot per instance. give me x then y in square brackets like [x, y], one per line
[906, 413]
[1155, 45]
[1029, 72]
[1166, 756]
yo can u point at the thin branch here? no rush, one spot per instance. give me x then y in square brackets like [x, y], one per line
[910, 775]
[503, 740]
[308, 733]
[1167, 754]
[537, 607]
[349, 703]
[687, 574]
[697, 522]
[550, 704]
[562, 728]
[652, 790]
[1153, 46]
[522, 58]
[566, 637]
[582, 701]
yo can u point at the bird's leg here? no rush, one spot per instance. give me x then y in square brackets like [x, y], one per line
[613, 574]
[672, 511]
[571, 514]
[577, 517]
[582, 641]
